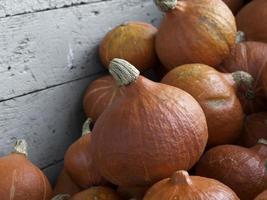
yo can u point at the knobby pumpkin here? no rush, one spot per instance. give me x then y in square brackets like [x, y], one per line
[148, 133]
[215, 93]
[99, 95]
[20, 179]
[183, 186]
[78, 161]
[194, 31]
[132, 41]
[242, 169]
[250, 57]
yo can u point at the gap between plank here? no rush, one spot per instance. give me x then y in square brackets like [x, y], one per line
[52, 164]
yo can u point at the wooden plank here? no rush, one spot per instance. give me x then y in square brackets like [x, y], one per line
[53, 171]
[44, 49]
[49, 120]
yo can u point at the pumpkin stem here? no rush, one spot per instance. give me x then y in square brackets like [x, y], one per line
[123, 72]
[262, 141]
[244, 80]
[240, 37]
[86, 127]
[20, 147]
[166, 5]
[61, 197]
[181, 177]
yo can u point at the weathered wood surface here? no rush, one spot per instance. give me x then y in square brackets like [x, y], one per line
[44, 49]
[53, 171]
[49, 120]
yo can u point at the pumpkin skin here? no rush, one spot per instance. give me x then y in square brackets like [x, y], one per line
[99, 95]
[78, 161]
[255, 128]
[216, 97]
[262, 196]
[20, 179]
[65, 185]
[234, 5]
[264, 80]
[249, 20]
[99, 193]
[195, 31]
[242, 169]
[158, 131]
[136, 193]
[182, 186]
[132, 41]
[250, 57]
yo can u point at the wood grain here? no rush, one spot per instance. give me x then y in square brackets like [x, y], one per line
[44, 49]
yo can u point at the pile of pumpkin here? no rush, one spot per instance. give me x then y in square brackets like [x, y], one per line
[206, 117]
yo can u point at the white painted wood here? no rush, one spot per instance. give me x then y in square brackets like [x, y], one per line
[49, 120]
[43, 49]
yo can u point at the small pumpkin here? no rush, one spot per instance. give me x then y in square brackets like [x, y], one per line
[255, 128]
[65, 185]
[162, 128]
[132, 41]
[183, 186]
[250, 20]
[250, 57]
[78, 161]
[234, 5]
[20, 179]
[136, 193]
[97, 193]
[194, 31]
[240, 168]
[215, 95]
[99, 95]
[262, 196]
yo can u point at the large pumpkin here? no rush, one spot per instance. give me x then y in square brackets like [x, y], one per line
[194, 31]
[148, 133]
[250, 57]
[251, 20]
[132, 41]
[215, 95]
[99, 95]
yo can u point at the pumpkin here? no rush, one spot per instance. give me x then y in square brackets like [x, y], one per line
[99, 95]
[97, 193]
[234, 5]
[194, 31]
[78, 161]
[250, 57]
[262, 196]
[61, 197]
[255, 128]
[264, 80]
[136, 193]
[183, 186]
[20, 179]
[240, 168]
[132, 41]
[215, 95]
[250, 20]
[65, 185]
[149, 132]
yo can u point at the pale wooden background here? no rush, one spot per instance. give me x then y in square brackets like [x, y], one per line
[48, 56]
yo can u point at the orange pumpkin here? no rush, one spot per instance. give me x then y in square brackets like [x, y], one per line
[215, 95]
[99, 95]
[194, 31]
[132, 41]
[182, 186]
[136, 193]
[148, 133]
[262, 196]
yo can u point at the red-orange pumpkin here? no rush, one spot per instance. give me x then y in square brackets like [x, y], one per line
[262, 196]
[78, 161]
[99, 95]
[216, 96]
[242, 169]
[194, 31]
[250, 20]
[148, 133]
[20, 179]
[255, 128]
[185, 187]
[250, 57]
[132, 41]
[234, 5]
